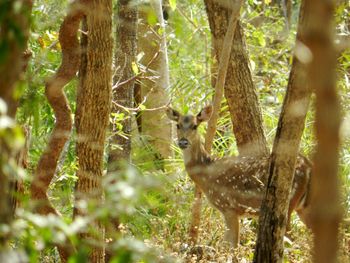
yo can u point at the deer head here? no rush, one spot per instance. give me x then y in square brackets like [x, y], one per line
[187, 125]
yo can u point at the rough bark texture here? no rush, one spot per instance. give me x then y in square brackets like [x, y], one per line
[219, 90]
[13, 40]
[57, 99]
[123, 95]
[240, 92]
[92, 115]
[120, 144]
[155, 128]
[274, 209]
[326, 210]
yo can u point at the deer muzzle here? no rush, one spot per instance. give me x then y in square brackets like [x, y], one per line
[183, 143]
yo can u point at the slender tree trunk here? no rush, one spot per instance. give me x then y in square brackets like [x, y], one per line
[92, 115]
[240, 92]
[154, 127]
[13, 40]
[123, 94]
[326, 210]
[274, 209]
[55, 95]
[124, 83]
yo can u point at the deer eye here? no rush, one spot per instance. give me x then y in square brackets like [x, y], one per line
[194, 127]
[178, 126]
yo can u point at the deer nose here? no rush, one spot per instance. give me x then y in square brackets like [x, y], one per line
[183, 143]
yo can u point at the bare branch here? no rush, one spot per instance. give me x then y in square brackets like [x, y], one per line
[220, 83]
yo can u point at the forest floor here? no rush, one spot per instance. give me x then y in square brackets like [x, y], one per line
[167, 230]
[172, 240]
[212, 248]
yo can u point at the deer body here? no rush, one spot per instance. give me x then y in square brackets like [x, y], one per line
[233, 185]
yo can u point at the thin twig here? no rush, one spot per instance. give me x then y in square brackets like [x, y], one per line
[139, 108]
[139, 75]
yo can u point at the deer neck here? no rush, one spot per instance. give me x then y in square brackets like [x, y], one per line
[196, 155]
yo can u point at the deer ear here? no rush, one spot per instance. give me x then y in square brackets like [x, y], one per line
[172, 114]
[205, 113]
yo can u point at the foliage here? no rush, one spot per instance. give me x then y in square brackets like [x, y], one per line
[153, 205]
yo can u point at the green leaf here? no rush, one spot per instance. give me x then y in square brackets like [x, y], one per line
[135, 68]
[152, 18]
[142, 107]
[172, 4]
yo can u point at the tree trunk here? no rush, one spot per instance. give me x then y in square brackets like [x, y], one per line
[123, 93]
[274, 209]
[14, 33]
[155, 128]
[92, 115]
[123, 81]
[240, 92]
[56, 97]
[326, 210]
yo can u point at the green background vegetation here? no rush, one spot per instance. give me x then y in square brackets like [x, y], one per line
[155, 205]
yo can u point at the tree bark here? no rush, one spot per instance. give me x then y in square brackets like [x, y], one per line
[92, 115]
[326, 210]
[274, 209]
[123, 94]
[54, 92]
[13, 40]
[239, 88]
[155, 129]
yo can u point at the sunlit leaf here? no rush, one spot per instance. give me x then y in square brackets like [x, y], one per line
[172, 4]
[135, 68]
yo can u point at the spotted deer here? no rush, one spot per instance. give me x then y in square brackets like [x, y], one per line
[233, 185]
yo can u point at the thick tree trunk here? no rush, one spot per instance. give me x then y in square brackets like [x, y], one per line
[92, 116]
[273, 216]
[326, 210]
[123, 94]
[240, 92]
[14, 33]
[155, 128]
